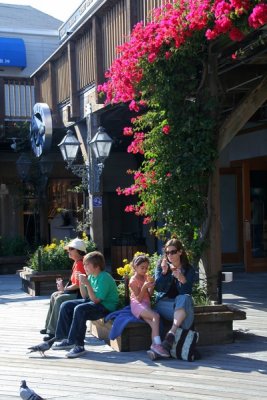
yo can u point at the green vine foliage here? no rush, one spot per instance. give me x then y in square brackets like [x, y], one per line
[182, 160]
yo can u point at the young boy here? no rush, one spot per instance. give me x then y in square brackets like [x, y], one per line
[100, 297]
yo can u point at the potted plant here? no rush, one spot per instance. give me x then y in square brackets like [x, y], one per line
[46, 264]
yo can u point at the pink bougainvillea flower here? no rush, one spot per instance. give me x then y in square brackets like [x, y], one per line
[258, 17]
[133, 106]
[128, 131]
[137, 144]
[130, 208]
[236, 35]
[166, 129]
[147, 220]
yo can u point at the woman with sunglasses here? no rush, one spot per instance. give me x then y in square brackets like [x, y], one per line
[77, 250]
[174, 279]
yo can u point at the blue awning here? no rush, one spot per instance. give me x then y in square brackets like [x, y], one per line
[12, 52]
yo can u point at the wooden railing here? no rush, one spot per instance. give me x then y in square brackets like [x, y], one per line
[18, 99]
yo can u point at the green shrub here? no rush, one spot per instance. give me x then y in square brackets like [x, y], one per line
[53, 256]
[13, 246]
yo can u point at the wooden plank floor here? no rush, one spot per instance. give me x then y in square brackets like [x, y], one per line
[235, 371]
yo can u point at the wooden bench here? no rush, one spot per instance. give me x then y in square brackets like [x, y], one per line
[214, 324]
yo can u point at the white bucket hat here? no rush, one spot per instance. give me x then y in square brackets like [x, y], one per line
[76, 244]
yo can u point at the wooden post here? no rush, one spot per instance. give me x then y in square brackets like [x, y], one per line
[210, 265]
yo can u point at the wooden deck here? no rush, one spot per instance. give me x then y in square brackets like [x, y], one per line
[228, 372]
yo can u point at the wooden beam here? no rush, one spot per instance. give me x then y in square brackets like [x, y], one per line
[74, 101]
[36, 84]
[53, 95]
[98, 50]
[131, 14]
[242, 113]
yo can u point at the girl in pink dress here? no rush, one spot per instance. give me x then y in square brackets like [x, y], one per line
[141, 288]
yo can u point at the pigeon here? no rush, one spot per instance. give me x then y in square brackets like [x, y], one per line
[28, 394]
[42, 347]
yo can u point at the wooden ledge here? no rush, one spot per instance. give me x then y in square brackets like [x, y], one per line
[41, 283]
[214, 324]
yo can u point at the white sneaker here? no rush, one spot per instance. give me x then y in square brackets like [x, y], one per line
[77, 351]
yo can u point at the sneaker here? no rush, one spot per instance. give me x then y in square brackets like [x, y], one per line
[76, 351]
[159, 349]
[43, 331]
[64, 345]
[152, 355]
[168, 341]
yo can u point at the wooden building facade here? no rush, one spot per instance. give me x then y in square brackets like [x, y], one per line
[67, 82]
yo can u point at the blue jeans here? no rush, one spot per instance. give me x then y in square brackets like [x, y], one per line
[72, 319]
[166, 307]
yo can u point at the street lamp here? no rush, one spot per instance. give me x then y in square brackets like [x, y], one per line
[69, 147]
[100, 146]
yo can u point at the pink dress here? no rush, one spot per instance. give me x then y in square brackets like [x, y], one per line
[136, 306]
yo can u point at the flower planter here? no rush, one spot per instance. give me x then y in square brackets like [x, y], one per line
[10, 264]
[41, 283]
[214, 324]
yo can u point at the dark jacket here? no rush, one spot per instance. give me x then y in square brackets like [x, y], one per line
[164, 283]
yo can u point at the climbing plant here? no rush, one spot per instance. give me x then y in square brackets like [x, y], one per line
[160, 73]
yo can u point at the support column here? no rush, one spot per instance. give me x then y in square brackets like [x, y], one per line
[95, 199]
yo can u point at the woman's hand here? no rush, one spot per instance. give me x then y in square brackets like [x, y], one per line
[177, 273]
[164, 266]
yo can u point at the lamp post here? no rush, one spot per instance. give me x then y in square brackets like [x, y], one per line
[23, 165]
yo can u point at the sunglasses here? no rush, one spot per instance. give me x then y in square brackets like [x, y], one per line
[171, 252]
[71, 248]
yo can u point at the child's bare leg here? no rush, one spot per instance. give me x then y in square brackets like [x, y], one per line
[152, 319]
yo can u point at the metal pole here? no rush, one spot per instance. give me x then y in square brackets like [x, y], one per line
[219, 287]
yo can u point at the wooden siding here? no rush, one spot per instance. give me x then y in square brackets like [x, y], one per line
[44, 88]
[144, 7]
[85, 60]
[114, 31]
[62, 78]
[19, 98]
